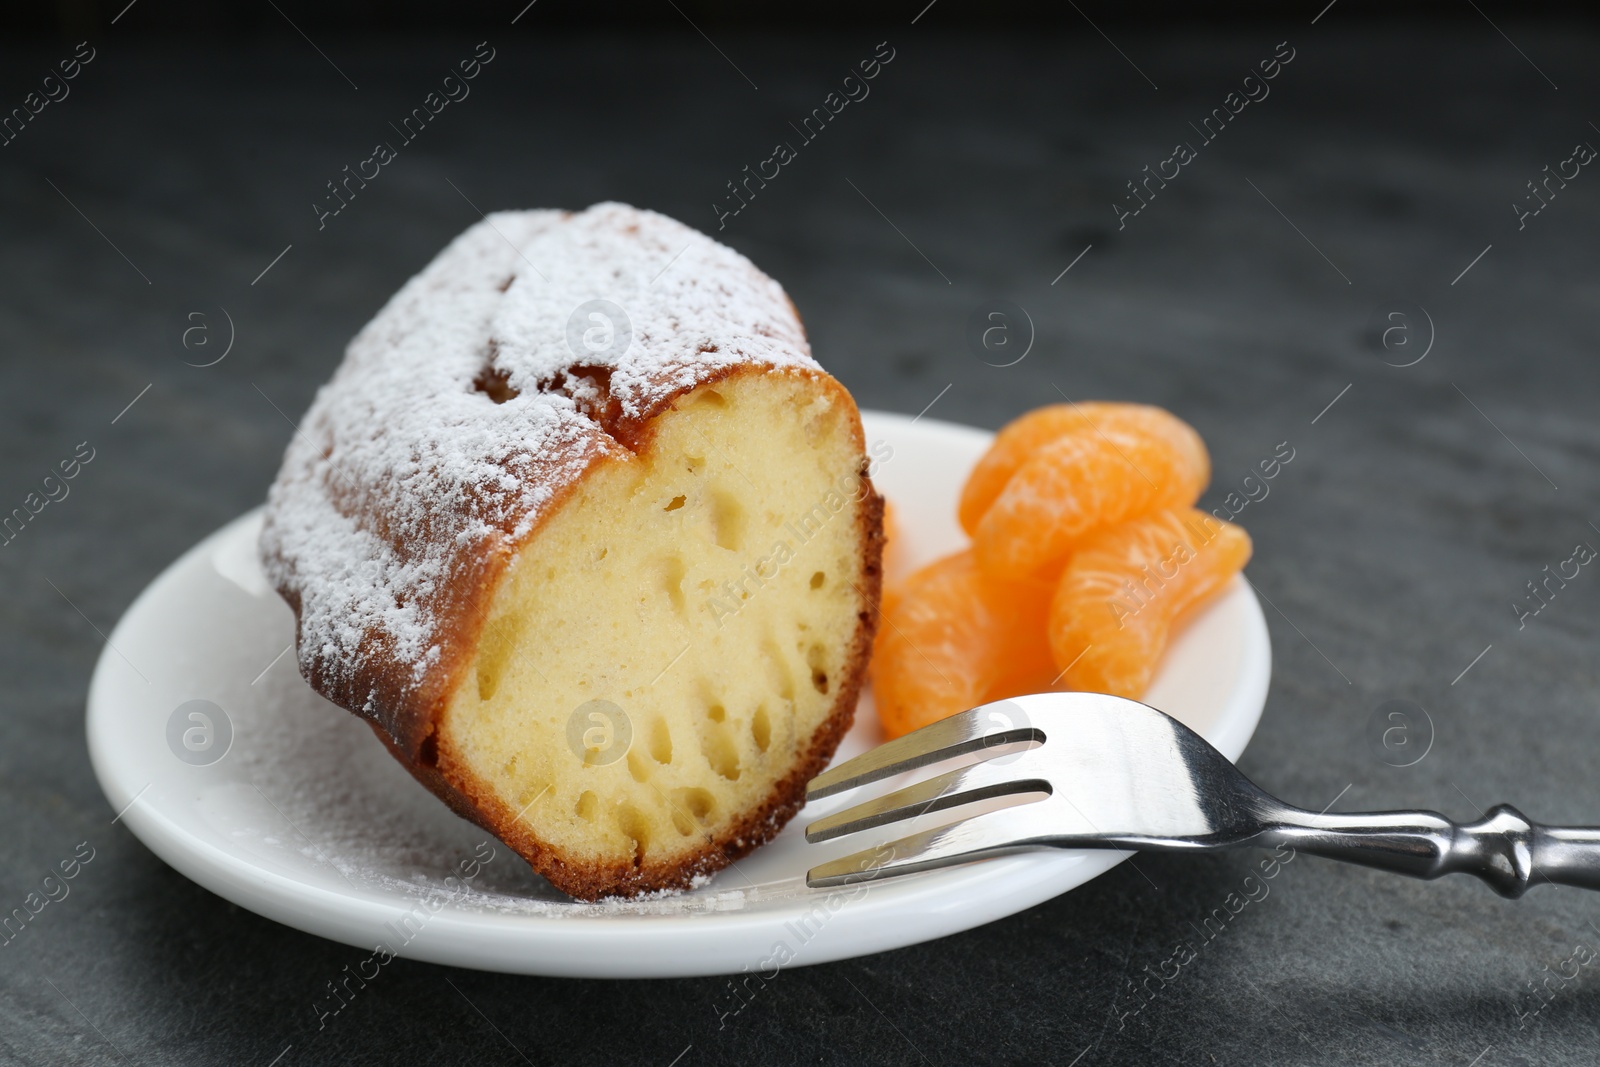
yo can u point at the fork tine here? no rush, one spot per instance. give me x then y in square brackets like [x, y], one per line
[1020, 829]
[945, 739]
[964, 785]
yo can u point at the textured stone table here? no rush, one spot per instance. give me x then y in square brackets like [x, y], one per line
[1249, 294]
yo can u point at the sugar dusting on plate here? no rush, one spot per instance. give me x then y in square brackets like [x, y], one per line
[321, 786]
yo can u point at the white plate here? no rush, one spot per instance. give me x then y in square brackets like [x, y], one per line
[304, 818]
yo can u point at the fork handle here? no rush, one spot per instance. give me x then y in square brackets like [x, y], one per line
[1504, 848]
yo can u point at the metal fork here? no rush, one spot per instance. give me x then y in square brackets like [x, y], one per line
[1091, 771]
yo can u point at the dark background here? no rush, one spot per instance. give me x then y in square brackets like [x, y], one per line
[1392, 549]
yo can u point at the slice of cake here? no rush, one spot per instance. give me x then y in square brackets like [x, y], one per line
[587, 537]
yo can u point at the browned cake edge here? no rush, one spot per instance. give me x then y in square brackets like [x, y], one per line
[406, 718]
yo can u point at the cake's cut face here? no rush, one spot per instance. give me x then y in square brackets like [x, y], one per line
[587, 537]
[678, 636]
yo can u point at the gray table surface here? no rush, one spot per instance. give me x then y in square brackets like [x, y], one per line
[1392, 549]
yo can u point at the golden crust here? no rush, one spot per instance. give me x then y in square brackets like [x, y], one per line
[406, 717]
[470, 539]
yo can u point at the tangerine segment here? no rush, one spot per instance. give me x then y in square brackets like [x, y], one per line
[896, 555]
[1014, 444]
[1125, 587]
[953, 639]
[1130, 463]
[896, 560]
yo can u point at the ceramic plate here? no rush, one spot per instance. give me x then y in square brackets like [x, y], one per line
[220, 758]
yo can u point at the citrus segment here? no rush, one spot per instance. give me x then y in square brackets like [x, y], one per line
[896, 558]
[1014, 444]
[1126, 586]
[892, 549]
[952, 639]
[1131, 462]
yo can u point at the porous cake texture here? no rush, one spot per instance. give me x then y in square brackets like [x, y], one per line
[584, 533]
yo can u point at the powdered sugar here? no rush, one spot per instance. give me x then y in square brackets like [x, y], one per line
[692, 307]
[307, 779]
[407, 471]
